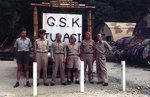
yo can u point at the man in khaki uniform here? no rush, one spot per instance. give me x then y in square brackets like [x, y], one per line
[88, 56]
[101, 48]
[41, 52]
[73, 51]
[58, 54]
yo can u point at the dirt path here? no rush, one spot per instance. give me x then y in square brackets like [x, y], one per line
[138, 84]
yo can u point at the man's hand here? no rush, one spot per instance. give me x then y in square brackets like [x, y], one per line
[93, 59]
[34, 58]
[53, 60]
[64, 60]
[81, 58]
[15, 52]
[104, 57]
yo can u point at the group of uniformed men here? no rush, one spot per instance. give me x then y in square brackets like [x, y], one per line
[88, 51]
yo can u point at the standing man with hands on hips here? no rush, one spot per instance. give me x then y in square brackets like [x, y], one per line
[101, 50]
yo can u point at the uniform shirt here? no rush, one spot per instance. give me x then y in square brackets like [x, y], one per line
[101, 48]
[73, 50]
[23, 45]
[41, 45]
[58, 48]
[88, 47]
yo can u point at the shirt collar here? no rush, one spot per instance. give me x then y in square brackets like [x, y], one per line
[22, 39]
[72, 44]
[59, 42]
[99, 42]
[40, 39]
[89, 40]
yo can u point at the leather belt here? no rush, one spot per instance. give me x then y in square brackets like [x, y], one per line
[73, 55]
[41, 52]
[23, 51]
[87, 53]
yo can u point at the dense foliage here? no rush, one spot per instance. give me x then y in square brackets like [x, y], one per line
[15, 14]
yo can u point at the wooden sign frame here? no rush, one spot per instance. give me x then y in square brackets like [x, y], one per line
[61, 4]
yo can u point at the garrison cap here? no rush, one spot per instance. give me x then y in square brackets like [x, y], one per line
[73, 36]
[41, 31]
[88, 33]
[99, 35]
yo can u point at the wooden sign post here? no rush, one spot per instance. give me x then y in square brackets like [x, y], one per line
[61, 4]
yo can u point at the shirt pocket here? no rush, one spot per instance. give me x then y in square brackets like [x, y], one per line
[90, 46]
[45, 45]
[26, 44]
[55, 47]
[39, 45]
[84, 45]
[76, 48]
[61, 47]
[69, 48]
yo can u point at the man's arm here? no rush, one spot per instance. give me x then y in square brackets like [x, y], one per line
[66, 50]
[16, 47]
[48, 45]
[81, 52]
[65, 53]
[16, 50]
[94, 53]
[108, 46]
[30, 45]
[52, 53]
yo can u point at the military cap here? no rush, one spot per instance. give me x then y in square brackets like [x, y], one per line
[99, 35]
[41, 31]
[73, 36]
[88, 33]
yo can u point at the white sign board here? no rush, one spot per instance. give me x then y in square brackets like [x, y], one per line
[66, 24]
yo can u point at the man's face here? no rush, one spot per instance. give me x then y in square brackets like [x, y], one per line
[42, 35]
[73, 40]
[99, 38]
[58, 37]
[23, 34]
[87, 36]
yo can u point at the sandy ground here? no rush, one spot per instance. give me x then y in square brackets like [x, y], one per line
[138, 84]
